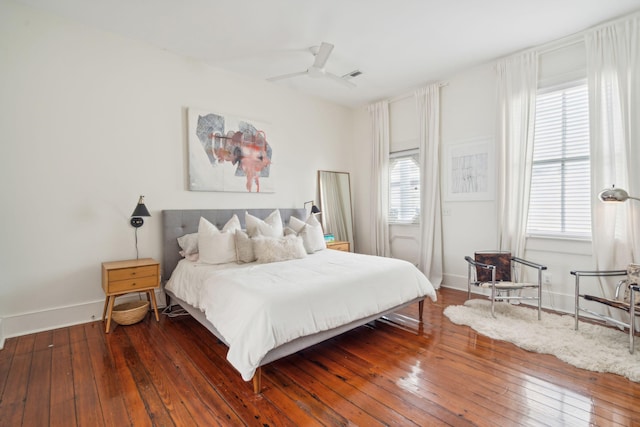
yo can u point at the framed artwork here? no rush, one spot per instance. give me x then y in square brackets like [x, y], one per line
[228, 153]
[470, 170]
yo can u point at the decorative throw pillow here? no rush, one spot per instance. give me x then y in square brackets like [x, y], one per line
[296, 224]
[310, 231]
[313, 236]
[189, 244]
[269, 249]
[270, 227]
[217, 247]
[244, 247]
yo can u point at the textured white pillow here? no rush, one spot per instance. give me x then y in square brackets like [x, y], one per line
[310, 231]
[269, 249]
[217, 247]
[270, 227]
[189, 244]
[244, 247]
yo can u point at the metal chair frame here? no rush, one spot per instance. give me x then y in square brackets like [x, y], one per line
[632, 301]
[472, 275]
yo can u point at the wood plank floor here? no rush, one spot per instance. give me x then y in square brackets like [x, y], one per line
[394, 372]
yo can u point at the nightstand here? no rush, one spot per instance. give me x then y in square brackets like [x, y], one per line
[339, 246]
[123, 277]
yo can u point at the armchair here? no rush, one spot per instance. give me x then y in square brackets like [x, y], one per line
[498, 272]
[626, 298]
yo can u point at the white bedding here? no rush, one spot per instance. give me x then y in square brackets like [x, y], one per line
[257, 307]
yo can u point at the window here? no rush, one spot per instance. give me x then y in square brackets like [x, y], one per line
[560, 200]
[404, 187]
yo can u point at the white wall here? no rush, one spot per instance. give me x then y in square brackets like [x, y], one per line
[89, 121]
[468, 111]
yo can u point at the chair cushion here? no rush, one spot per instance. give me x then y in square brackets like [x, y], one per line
[505, 286]
[633, 273]
[633, 278]
[502, 261]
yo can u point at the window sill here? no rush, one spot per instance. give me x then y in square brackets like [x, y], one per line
[564, 245]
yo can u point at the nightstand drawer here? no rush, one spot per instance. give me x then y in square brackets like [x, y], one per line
[339, 246]
[133, 284]
[132, 273]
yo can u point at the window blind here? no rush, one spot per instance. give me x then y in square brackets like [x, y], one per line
[560, 199]
[404, 187]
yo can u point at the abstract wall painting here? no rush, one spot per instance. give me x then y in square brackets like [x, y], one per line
[469, 168]
[228, 153]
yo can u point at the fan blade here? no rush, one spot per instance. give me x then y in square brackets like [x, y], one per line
[323, 55]
[286, 76]
[340, 80]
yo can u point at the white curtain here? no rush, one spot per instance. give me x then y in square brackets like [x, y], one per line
[613, 69]
[379, 113]
[517, 86]
[428, 108]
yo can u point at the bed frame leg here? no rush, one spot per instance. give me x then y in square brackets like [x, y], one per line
[257, 380]
[420, 309]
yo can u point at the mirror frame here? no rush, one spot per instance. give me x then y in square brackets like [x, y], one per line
[326, 216]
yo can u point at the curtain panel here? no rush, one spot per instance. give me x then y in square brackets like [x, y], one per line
[379, 114]
[431, 253]
[517, 87]
[613, 72]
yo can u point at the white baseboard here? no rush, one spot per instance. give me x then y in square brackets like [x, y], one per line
[60, 317]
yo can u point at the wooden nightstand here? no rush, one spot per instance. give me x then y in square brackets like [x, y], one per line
[123, 277]
[339, 246]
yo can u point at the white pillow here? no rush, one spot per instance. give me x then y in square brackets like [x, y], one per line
[296, 224]
[217, 247]
[244, 247]
[189, 244]
[270, 227]
[313, 236]
[269, 249]
[310, 231]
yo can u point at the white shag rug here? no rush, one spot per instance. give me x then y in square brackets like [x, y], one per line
[593, 347]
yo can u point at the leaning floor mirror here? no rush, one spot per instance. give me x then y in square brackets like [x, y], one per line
[335, 205]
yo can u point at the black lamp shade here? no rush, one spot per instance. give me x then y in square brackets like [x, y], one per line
[140, 211]
[314, 208]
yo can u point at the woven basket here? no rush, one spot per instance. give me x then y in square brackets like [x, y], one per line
[129, 312]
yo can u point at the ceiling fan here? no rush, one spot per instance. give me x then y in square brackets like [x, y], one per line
[317, 70]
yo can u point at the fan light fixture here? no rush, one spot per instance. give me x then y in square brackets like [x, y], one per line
[615, 195]
[317, 69]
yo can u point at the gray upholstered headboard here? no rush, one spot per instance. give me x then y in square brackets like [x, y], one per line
[178, 222]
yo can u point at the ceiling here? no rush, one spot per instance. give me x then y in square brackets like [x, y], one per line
[398, 45]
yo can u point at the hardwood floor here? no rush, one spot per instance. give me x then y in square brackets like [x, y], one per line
[392, 372]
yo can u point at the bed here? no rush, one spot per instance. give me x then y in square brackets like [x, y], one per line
[266, 311]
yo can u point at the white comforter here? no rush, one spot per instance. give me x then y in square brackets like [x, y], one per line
[257, 307]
